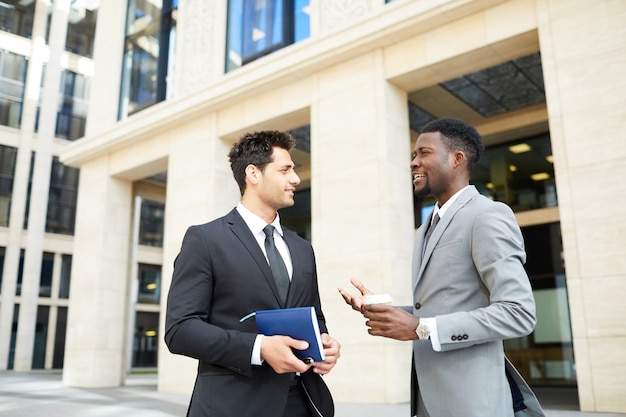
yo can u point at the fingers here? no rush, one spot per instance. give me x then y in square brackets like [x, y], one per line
[359, 286]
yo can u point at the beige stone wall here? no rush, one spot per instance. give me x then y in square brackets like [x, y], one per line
[582, 46]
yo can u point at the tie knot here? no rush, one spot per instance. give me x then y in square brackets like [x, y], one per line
[269, 230]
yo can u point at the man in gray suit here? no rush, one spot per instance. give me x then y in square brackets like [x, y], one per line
[222, 274]
[470, 289]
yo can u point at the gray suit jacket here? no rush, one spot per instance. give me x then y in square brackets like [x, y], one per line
[220, 276]
[471, 277]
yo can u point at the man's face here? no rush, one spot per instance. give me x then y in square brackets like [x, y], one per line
[431, 166]
[278, 181]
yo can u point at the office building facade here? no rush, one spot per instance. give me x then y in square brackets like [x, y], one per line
[171, 86]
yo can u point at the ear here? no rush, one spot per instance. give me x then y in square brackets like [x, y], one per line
[459, 158]
[253, 174]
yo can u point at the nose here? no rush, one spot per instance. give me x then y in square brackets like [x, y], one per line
[414, 162]
[295, 180]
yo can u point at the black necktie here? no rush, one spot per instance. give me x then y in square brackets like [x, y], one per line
[429, 232]
[279, 270]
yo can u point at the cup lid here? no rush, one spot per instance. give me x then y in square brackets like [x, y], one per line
[377, 298]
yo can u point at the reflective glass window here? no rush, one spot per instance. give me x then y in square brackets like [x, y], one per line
[62, 197]
[151, 221]
[149, 284]
[45, 278]
[41, 337]
[12, 78]
[259, 27]
[149, 49]
[7, 171]
[146, 340]
[66, 273]
[72, 112]
[16, 16]
[59, 338]
[2, 252]
[81, 28]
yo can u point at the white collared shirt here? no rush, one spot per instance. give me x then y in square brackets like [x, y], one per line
[256, 226]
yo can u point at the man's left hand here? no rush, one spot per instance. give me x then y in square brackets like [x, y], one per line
[331, 351]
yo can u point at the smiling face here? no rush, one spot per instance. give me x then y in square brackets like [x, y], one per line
[435, 168]
[277, 182]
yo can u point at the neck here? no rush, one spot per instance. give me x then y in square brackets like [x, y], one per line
[268, 214]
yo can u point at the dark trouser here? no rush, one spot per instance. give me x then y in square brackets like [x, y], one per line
[296, 403]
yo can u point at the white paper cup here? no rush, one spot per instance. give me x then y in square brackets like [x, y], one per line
[377, 299]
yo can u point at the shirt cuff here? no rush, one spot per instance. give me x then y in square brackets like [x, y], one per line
[431, 322]
[256, 351]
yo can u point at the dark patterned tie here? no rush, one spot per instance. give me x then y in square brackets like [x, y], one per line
[279, 270]
[429, 232]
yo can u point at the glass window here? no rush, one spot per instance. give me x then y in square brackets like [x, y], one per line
[145, 346]
[257, 28]
[149, 284]
[20, 274]
[151, 221]
[59, 338]
[66, 273]
[12, 78]
[149, 48]
[41, 337]
[7, 171]
[11, 358]
[16, 16]
[546, 356]
[72, 113]
[81, 28]
[45, 279]
[519, 173]
[62, 198]
[2, 252]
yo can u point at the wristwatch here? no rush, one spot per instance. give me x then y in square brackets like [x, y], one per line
[423, 331]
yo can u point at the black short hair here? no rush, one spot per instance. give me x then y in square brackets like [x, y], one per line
[256, 149]
[457, 134]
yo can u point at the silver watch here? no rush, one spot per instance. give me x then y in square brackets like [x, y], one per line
[423, 331]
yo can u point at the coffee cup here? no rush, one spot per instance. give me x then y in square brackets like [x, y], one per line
[377, 299]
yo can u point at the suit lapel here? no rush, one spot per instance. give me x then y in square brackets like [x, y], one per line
[240, 229]
[451, 212]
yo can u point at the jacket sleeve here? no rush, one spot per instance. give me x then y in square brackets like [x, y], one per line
[497, 252]
[188, 326]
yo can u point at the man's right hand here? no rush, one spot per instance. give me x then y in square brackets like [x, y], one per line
[355, 301]
[277, 352]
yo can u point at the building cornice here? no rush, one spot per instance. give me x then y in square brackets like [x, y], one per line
[395, 22]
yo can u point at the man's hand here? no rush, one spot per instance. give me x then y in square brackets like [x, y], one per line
[392, 322]
[331, 350]
[353, 300]
[276, 351]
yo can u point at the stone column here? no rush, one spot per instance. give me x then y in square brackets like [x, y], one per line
[40, 189]
[582, 46]
[95, 349]
[104, 95]
[20, 180]
[199, 171]
[362, 218]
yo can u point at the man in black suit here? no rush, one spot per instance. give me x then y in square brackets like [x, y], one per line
[222, 274]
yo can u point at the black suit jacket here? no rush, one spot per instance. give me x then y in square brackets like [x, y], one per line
[221, 275]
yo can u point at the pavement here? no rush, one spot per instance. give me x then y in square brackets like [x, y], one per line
[42, 394]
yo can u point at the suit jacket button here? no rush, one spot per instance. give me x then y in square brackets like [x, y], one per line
[418, 306]
[453, 337]
[465, 337]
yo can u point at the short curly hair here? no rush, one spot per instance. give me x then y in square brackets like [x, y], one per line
[256, 149]
[457, 134]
